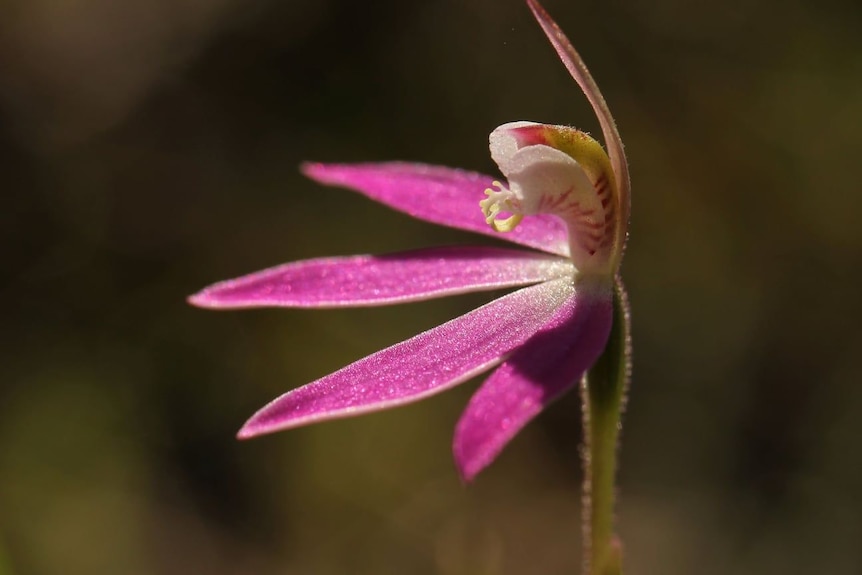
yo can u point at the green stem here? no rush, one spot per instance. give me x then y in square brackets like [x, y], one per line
[604, 391]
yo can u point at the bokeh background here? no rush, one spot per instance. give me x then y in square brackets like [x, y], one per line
[148, 148]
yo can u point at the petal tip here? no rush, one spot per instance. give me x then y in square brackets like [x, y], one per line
[468, 464]
[257, 425]
[311, 169]
[200, 299]
[467, 475]
[209, 298]
[539, 11]
[247, 431]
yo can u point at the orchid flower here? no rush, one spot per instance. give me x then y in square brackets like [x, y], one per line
[565, 199]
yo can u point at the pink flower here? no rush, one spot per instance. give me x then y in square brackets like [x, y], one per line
[567, 201]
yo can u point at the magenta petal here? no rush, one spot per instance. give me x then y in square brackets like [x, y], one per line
[440, 195]
[426, 364]
[378, 280]
[547, 365]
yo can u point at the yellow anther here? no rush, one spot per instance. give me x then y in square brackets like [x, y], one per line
[500, 200]
[508, 224]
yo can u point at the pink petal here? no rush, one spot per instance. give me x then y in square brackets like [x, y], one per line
[578, 70]
[426, 364]
[440, 195]
[547, 365]
[378, 280]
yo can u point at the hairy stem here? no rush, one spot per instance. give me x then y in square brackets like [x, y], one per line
[604, 392]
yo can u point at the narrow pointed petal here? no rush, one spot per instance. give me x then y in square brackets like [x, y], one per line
[378, 280]
[576, 67]
[439, 195]
[546, 366]
[426, 364]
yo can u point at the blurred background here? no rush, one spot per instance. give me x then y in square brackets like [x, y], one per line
[149, 148]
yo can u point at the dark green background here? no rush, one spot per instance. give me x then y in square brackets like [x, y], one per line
[148, 148]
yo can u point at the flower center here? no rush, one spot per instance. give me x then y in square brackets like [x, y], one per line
[501, 200]
[561, 171]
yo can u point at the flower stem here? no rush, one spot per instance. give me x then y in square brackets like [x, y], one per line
[604, 392]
